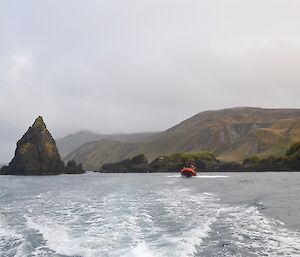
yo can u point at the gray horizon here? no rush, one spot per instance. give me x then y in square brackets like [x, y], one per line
[130, 66]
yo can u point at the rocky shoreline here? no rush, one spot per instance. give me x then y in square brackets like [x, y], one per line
[36, 154]
[206, 162]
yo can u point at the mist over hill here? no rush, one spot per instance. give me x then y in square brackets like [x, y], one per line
[231, 134]
[73, 141]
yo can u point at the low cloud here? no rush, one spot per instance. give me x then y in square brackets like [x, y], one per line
[128, 66]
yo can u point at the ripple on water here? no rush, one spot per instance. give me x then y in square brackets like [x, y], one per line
[173, 221]
[244, 231]
[11, 242]
[117, 226]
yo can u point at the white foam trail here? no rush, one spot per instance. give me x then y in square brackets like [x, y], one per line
[11, 243]
[141, 250]
[199, 176]
[106, 227]
[265, 236]
[117, 226]
[186, 244]
[185, 211]
[208, 176]
[174, 221]
[173, 176]
[60, 239]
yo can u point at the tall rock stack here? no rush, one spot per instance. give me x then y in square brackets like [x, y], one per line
[36, 153]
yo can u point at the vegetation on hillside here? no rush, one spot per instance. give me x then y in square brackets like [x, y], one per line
[232, 135]
[201, 157]
[288, 162]
[206, 161]
[294, 149]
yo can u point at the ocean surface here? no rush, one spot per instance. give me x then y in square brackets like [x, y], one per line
[150, 215]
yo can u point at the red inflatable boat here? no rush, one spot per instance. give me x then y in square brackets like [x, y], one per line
[188, 172]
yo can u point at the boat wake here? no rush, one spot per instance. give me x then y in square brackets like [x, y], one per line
[213, 176]
[199, 176]
[11, 242]
[134, 222]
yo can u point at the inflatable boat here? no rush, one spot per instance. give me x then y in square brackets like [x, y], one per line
[188, 172]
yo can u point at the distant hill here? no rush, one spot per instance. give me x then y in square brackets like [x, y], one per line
[95, 154]
[73, 141]
[231, 134]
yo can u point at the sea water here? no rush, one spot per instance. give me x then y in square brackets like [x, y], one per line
[150, 215]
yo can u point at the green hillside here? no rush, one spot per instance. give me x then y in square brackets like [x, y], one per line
[230, 134]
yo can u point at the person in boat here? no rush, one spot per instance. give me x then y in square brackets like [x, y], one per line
[193, 166]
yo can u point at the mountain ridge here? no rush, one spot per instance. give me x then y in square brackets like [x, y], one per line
[73, 141]
[232, 134]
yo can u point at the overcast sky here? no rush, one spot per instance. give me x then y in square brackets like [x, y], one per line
[141, 65]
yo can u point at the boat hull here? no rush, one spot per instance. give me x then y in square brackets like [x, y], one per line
[188, 172]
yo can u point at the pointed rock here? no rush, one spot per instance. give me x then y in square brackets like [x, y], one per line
[36, 153]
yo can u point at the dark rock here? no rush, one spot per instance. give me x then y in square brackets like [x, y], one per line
[229, 166]
[139, 160]
[117, 167]
[73, 168]
[4, 170]
[137, 164]
[36, 153]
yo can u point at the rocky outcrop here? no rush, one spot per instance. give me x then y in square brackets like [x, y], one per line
[4, 170]
[36, 153]
[137, 164]
[172, 163]
[73, 168]
[207, 162]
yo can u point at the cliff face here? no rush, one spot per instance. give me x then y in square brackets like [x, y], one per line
[36, 153]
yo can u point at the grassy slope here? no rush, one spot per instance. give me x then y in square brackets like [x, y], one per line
[231, 134]
[71, 142]
[94, 154]
[273, 140]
